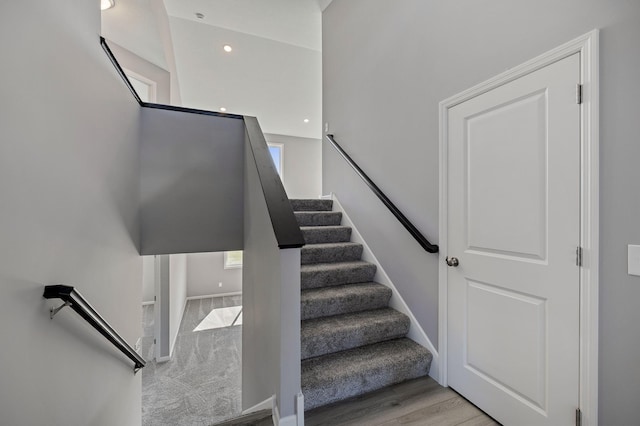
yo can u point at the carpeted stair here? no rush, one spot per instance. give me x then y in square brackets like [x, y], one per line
[351, 341]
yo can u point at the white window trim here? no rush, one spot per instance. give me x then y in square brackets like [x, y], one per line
[153, 86]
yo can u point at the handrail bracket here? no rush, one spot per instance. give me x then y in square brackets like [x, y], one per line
[53, 311]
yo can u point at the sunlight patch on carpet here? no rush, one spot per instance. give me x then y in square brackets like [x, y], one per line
[221, 317]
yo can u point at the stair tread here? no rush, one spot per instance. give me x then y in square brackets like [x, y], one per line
[346, 331]
[330, 245]
[341, 375]
[323, 228]
[342, 299]
[334, 266]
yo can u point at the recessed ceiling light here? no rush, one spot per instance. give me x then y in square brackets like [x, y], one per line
[223, 109]
[107, 4]
[227, 48]
[306, 120]
[199, 15]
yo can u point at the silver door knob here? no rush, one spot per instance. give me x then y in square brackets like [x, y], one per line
[452, 261]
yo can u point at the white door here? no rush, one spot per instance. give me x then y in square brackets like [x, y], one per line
[514, 226]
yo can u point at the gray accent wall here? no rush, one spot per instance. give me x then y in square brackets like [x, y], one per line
[190, 182]
[68, 215]
[387, 65]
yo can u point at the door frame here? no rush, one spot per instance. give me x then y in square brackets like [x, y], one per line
[588, 47]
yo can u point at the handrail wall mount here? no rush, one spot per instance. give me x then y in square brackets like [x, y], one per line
[72, 298]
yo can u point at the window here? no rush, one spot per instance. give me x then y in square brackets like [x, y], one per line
[233, 259]
[277, 154]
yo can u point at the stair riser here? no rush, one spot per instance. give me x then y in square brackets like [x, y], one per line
[375, 380]
[359, 274]
[318, 218]
[355, 372]
[319, 235]
[331, 338]
[311, 205]
[325, 307]
[311, 254]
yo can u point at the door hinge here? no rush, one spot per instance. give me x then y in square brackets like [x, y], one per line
[578, 93]
[578, 417]
[579, 256]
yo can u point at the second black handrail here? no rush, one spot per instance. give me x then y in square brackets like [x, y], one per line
[75, 301]
[421, 239]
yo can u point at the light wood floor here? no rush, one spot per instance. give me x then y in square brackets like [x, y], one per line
[417, 402]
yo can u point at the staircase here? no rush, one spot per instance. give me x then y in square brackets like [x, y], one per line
[352, 342]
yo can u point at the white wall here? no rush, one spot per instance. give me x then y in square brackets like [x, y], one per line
[148, 279]
[69, 197]
[134, 25]
[387, 65]
[302, 165]
[177, 294]
[132, 62]
[206, 270]
[142, 27]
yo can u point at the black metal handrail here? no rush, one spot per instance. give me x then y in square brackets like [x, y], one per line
[75, 301]
[127, 82]
[431, 248]
[286, 228]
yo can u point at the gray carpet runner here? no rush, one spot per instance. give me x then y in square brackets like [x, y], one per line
[351, 341]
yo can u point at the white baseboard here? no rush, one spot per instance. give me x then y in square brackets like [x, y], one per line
[292, 420]
[416, 332]
[163, 359]
[267, 404]
[300, 409]
[209, 296]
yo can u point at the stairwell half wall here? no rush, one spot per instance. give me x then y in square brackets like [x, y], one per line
[191, 182]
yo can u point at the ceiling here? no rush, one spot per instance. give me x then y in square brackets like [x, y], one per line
[296, 22]
[274, 71]
[279, 83]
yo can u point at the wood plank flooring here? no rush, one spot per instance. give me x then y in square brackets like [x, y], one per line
[417, 402]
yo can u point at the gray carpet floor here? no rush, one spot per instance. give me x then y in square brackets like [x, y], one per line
[201, 385]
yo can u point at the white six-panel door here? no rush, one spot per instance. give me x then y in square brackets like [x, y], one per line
[514, 226]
